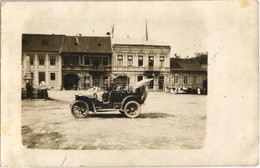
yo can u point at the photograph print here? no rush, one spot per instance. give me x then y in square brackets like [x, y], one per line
[115, 80]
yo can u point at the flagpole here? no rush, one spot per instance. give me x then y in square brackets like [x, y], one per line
[146, 31]
[113, 28]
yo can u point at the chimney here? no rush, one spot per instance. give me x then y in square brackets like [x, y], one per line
[108, 34]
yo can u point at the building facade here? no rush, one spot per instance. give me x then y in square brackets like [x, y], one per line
[187, 73]
[45, 60]
[86, 61]
[80, 62]
[142, 60]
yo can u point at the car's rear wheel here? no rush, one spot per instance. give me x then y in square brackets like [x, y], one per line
[132, 109]
[79, 109]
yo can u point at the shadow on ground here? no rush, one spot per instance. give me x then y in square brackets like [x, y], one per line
[141, 116]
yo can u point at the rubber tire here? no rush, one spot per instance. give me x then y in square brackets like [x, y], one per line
[138, 110]
[84, 114]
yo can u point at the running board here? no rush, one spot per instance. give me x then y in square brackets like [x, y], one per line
[106, 110]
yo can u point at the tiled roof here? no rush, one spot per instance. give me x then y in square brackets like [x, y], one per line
[41, 42]
[202, 58]
[142, 42]
[87, 44]
[186, 65]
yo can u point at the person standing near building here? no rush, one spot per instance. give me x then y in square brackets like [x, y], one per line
[29, 91]
[44, 91]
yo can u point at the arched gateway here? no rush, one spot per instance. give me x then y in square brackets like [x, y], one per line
[70, 81]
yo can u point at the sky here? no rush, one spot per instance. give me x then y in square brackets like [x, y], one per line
[182, 25]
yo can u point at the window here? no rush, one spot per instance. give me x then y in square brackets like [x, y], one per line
[52, 60]
[31, 59]
[96, 61]
[41, 60]
[87, 60]
[130, 60]
[195, 79]
[120, 60]
[185, 79]
[139, 78]
[75, 60]
[66, 60]
[53, 77]
[140, 60]
[161, 61]
[176, 79]
[105, 61]
[81, 60]
[151, 61]
[41, 76]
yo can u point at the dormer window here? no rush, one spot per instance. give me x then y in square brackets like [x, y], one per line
[44, 42]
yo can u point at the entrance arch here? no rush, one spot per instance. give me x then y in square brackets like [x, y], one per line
[70, 81]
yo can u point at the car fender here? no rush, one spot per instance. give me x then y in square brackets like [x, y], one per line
[87, 100]
[131, 97]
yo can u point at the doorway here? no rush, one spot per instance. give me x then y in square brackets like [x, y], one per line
[151, 83]
[71, 81]
[161, 82]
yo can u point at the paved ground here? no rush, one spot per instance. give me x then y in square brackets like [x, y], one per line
[167, 122]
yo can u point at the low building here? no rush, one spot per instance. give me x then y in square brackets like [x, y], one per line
[136, 60]
[188, 73]
[86, 61]
[45, 60]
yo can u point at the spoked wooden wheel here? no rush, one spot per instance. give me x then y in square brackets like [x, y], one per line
[132, 109]
[79, 109]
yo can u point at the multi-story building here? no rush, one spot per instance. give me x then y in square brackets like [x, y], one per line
[86, 61]
[71, 62]
[188, 73]
[137, 60]
[45, 60]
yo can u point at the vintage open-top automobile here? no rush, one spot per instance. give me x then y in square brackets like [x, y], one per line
[126, 99]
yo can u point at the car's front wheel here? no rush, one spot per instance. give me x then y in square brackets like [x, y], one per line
[132, 109]
[79, 109]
